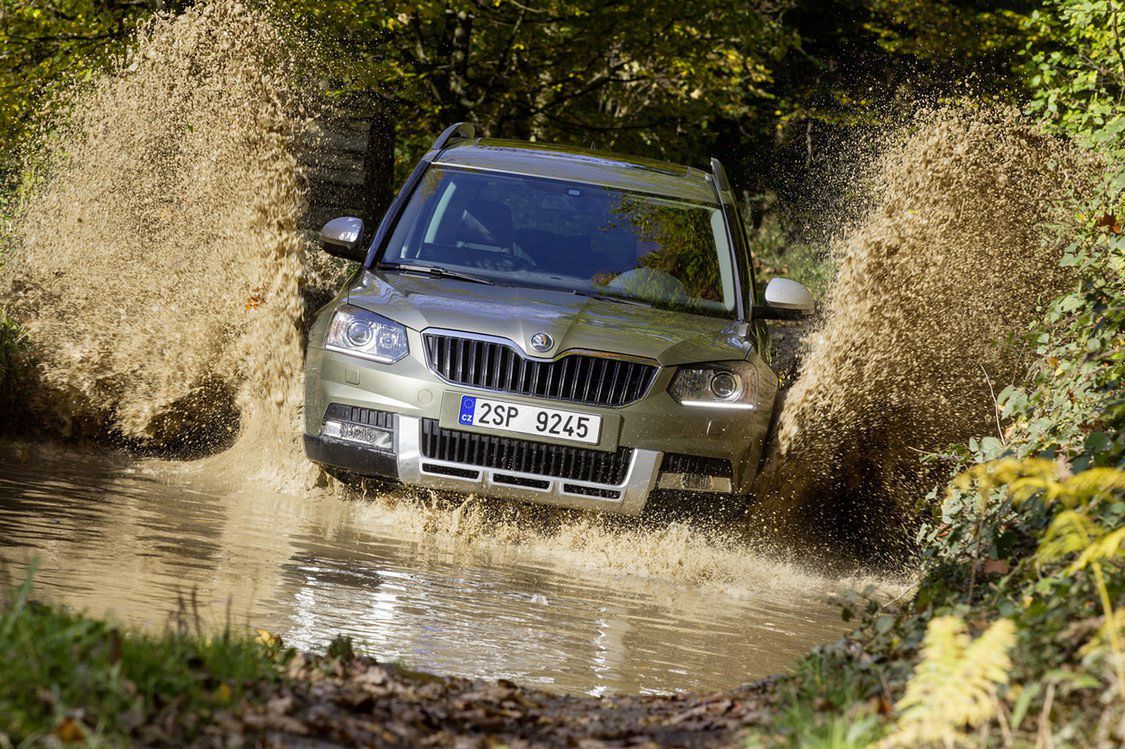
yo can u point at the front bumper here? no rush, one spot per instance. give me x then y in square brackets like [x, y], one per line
[655, 429]
[408, 465]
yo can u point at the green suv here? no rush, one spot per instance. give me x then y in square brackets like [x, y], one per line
[548, 324]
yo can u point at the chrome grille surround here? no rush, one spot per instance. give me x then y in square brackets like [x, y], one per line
[496, 364]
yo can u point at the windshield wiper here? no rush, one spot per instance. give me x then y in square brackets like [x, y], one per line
[437, 271]
[610, 298]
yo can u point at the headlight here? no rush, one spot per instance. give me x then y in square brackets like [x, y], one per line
[361, 333]
[719, 385]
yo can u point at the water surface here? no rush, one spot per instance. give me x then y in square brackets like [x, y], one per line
[133, 538]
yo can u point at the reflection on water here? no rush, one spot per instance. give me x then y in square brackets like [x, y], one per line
[127, 537]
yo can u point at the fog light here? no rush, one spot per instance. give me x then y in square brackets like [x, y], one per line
[374, 437]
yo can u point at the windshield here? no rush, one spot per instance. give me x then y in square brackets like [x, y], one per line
[586, 239]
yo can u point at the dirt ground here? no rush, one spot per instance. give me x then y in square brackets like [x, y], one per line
[360, 703]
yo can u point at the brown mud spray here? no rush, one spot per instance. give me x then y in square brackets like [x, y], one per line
[157, 267]
[938, 282]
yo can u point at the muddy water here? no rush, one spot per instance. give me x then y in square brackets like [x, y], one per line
[130, 538]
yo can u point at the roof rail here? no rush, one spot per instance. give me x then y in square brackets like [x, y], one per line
[720, 174]
[457, 130]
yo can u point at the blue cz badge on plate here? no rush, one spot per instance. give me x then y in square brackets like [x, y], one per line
[468, 406]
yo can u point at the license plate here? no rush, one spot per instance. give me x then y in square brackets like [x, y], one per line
[519, 417]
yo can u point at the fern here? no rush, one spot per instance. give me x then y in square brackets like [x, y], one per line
[954, 686]
[1074, 531]
[1037, 477]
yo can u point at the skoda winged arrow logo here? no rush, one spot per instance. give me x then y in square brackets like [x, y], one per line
[542, 342]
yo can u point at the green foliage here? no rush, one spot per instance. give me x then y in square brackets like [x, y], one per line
[658, 69]
[342, 647]
[776, 256]
[1031, 532]
[1076, 63]
[682, 80]
[955, 684]
[1083, 532]
[68, 677]
[45, 44]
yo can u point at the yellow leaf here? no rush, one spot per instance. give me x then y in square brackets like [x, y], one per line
[70, 731]
[1103, 549]
[1096, 481]
[1069, 533]
[268, 638]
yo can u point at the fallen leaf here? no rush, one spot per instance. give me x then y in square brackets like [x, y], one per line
[70, 731]
[268, 638]
[996, 566]
[1109, 222]
[280, 705]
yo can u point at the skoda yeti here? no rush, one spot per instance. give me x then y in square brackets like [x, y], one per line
[551, 325]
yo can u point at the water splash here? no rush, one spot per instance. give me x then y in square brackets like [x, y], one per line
[938, 282]
[157, 266]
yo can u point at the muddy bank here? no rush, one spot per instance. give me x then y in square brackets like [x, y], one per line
[359, 703]
[115, 687]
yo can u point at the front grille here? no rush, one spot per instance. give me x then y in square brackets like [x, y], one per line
[592, 491]
[696, 465]
[366, 416]
[503, 478]
[580, 378]
[507, 454]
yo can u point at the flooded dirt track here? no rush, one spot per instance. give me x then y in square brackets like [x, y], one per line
[133, 538]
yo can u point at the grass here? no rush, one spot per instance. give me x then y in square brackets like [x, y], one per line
[828, 703]
[70, 678]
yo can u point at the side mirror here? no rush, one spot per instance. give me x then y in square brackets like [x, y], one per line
[340, 237]
[786, 300]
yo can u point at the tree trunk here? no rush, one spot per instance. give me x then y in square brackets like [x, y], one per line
[378, 165]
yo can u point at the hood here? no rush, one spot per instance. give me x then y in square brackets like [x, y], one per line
[573, 321]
